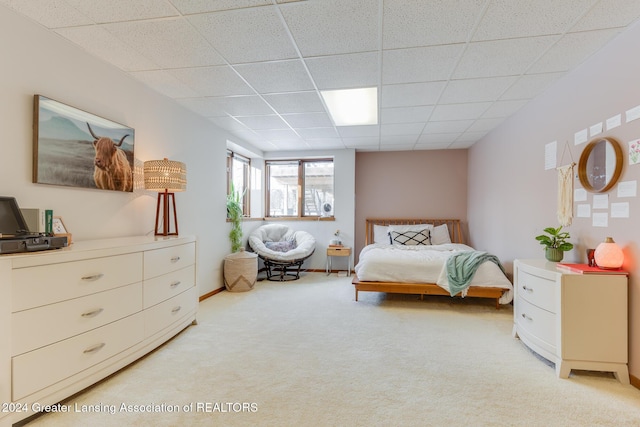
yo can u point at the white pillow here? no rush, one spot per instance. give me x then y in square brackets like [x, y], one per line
[440, 235]
[410, 227]
[381, 234]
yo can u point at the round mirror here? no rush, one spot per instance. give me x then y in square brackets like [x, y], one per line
[600, 165]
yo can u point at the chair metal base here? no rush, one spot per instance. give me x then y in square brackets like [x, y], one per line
[283, 271]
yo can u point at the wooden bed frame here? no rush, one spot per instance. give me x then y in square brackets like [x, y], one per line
[421, 288]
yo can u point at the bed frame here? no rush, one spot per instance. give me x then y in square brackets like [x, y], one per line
[420, 288]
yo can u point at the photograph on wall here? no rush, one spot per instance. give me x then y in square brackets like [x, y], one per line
[74, 148]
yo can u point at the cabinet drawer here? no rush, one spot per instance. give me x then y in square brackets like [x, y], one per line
[164, 314]
[539, 323]
[40, 368]
[169, 285]
[162, 261]
[537, 290]
[338, 251]
[45, 325]
[47, 284]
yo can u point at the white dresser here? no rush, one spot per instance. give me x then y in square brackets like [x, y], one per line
[73, 316]
[577, 321]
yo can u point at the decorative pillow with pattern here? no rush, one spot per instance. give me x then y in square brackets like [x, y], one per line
[411, 238]
[282, 246]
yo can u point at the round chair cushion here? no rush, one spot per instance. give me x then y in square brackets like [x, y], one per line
[305, 243]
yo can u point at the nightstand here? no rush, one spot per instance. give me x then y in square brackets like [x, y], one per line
[339, 251]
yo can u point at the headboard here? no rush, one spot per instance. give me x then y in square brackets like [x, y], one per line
[452, 224]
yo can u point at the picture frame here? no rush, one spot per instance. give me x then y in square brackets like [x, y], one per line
[72, 147]
[59, 229]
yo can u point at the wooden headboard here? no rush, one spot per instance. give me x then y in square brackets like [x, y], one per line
[452, 224]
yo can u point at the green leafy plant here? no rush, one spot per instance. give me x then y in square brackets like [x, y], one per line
[555, 239]
[234, 213]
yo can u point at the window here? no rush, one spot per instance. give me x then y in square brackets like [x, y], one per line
[299, 188]
[238, 168]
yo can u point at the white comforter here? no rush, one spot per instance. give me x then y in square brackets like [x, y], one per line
[423, 264]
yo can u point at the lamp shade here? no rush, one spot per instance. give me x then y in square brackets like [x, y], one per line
[165, 175]
[608, 255]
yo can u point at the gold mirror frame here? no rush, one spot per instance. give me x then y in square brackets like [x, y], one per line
[584, 159]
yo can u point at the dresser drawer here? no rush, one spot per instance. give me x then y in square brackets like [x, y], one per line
[40, 368]
[48, 324]
[169, 285]
[537, 322]
[537, 290]
[162, 261]
[46, 284]
[164, 314]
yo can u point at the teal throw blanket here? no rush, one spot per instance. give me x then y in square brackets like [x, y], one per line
[462, 266]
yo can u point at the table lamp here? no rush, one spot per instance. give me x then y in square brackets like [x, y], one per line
[166, 177]
[608, 255]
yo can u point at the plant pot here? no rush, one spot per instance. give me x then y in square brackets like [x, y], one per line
[553, 254]
[240, 271]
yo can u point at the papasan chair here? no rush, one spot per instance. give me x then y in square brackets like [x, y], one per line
[282, 249]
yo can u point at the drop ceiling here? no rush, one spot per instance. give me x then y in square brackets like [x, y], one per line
[447, 71]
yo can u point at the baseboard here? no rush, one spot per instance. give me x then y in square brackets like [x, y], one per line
[634, 381]
[210, 294]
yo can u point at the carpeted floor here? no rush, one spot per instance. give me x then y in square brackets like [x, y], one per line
[305, 353]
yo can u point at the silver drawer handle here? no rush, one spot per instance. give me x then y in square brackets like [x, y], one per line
[175, 259]
[527, 289]
[94, 348]
[524, 316]
[175, 284]
[93, 277]
[92, 313]
[176, 309]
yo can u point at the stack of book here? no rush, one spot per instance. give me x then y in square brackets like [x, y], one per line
[587, 269]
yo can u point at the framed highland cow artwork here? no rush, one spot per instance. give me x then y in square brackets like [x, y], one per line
[74, 148]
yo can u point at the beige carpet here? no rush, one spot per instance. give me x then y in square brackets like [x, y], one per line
[305, 353]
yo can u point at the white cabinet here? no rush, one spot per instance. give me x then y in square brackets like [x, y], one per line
[73, 316]
[577, 321]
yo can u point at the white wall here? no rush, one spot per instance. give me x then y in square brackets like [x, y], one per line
[34, 61]
[512, 197]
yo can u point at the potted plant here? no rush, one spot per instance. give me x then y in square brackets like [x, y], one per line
[555, 243]
[240, 267]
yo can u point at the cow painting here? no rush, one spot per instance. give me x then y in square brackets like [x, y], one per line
[112, 170]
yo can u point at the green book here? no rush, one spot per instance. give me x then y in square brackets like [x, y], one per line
[48, 221]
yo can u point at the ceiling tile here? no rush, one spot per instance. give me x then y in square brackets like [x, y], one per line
[399, 139]
[359, 131]
[451, 126]
[475, 90]
[433, 146]
[50, 13]
[325, 143]
[361, 141]
[501, 109]
[275, 135]
[308, 120]
[291, 145]
[401, 129]
[99, 42]
[529, 86]
[228, 105]
[278, 76]
[246, 35]
[228, 123]
[171, 43]
[484, 125]
[572, 50]
[428, 22]
[295, 102]
[405, 114]
[101, 11]
[258, 123]
[213, 81]
[165, 83]
[330, 27]
[459, 111]
[462, 144]
[198, 6]
[438, 138]
[345, 71]
[419, 64]
[501, 57]
[609, 14]
[411, 94]
[505, 19]
[314, 133]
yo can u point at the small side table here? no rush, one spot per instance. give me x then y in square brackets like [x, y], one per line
[340, 251]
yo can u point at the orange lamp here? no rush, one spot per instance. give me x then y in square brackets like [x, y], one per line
[608, 255]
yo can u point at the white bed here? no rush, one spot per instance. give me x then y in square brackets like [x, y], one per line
[419, 268]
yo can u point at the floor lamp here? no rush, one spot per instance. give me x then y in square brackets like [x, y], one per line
[166, 177]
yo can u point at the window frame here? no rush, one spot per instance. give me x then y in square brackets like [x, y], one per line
[231, 156]
[300, 184]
